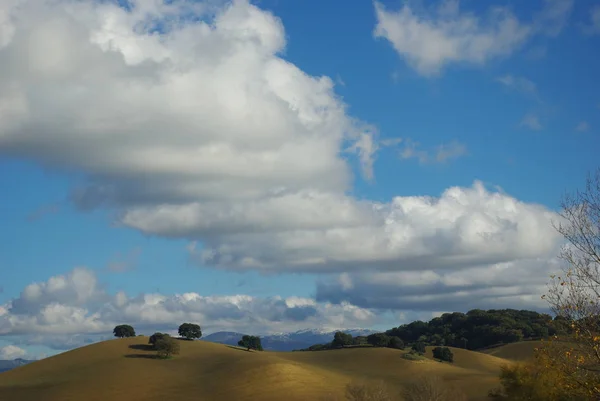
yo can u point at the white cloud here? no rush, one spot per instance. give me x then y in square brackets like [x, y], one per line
[593, 27]
[464, 226]
[532, 122]
[517, 284]
[431, 40]
[11, 352]
[520, 84]
[60, 325]
[205, 132]
[583, 126]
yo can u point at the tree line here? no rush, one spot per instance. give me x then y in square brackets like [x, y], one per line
[166, 346]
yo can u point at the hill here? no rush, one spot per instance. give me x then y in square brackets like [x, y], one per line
[124, 369]
[286, 341]
[520, 351]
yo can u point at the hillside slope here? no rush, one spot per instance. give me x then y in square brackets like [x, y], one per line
[124, 370]
[520, 351]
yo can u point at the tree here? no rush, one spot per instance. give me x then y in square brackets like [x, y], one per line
[378, 340]
[341, 339]
[418, 347]
[155, 337]
[124, 330]
[167, 346]
[443, 354]
[251, 342]
[190, 331]
[396, 342]
[574, 296]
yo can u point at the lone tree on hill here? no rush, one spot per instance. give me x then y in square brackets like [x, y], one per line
[418, 347]
[155, 337]
[251, 342]
[124, 330]
[166, 347]
[443, 354]
[341, 339]
[190, 331]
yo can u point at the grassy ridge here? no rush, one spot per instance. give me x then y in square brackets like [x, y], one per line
[123, 369]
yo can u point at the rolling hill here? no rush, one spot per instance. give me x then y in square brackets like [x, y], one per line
[520, 351]
[124, 369]
[286, 341]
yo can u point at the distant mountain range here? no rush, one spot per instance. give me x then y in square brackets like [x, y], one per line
[286, 341]
[11, 364]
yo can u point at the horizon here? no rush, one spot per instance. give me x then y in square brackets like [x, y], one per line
[266, 166]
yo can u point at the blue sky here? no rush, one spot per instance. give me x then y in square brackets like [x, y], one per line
[286, 164]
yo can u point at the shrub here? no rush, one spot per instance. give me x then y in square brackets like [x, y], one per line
[413, 356]
[375, 391]
[166, 347]
[418, 347]
[443, 354]
[429, 388]
[124, 330]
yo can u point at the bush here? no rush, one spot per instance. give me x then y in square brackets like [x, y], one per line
[190, 331]
[418, 347]
[396, 342]
[443, 354]
[429, 388]
[413, 356]
[124, 330]
[367, 392]
[166, 347]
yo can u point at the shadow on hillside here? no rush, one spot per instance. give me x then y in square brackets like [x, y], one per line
[142, 356]
[141, 347]
[238, 348]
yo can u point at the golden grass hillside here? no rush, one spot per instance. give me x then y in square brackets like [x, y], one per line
[123, 369]
[520, 351]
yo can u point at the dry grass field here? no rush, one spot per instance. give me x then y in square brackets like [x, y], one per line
[125, 370]
[520, 351]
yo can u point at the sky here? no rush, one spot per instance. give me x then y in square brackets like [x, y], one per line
[274, 165]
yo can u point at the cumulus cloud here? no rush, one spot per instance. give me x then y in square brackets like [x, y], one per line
[517, 284]
[11, 352]
[184, 119]
[429, 40]
[464, 226]
[61, 323]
